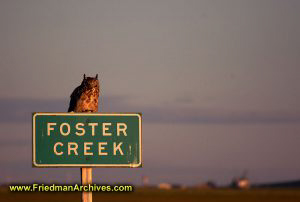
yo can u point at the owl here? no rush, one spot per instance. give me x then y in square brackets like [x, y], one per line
[85, 97]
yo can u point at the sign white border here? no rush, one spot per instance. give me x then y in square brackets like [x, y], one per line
[35, 164]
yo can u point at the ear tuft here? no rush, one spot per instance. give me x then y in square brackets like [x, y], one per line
[84, 76]
[96, 76]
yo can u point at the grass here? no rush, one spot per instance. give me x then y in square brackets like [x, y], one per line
[154, 195]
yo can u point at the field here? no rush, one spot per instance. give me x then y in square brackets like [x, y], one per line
[151, 195]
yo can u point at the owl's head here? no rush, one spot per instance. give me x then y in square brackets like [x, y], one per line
[90, 82]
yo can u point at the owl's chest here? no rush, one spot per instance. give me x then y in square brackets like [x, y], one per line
[88, 101]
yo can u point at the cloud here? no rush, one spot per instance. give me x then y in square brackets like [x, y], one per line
[20, 110]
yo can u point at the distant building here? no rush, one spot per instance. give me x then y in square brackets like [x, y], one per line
[240, 183]
[207, 185]
[165, 186]
[243, 183]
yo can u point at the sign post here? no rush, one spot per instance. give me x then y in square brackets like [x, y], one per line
[87, 140]
[86, 179]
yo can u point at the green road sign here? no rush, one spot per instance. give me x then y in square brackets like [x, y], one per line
[87, 140]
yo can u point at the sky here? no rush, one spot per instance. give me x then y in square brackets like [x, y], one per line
[217, 82]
